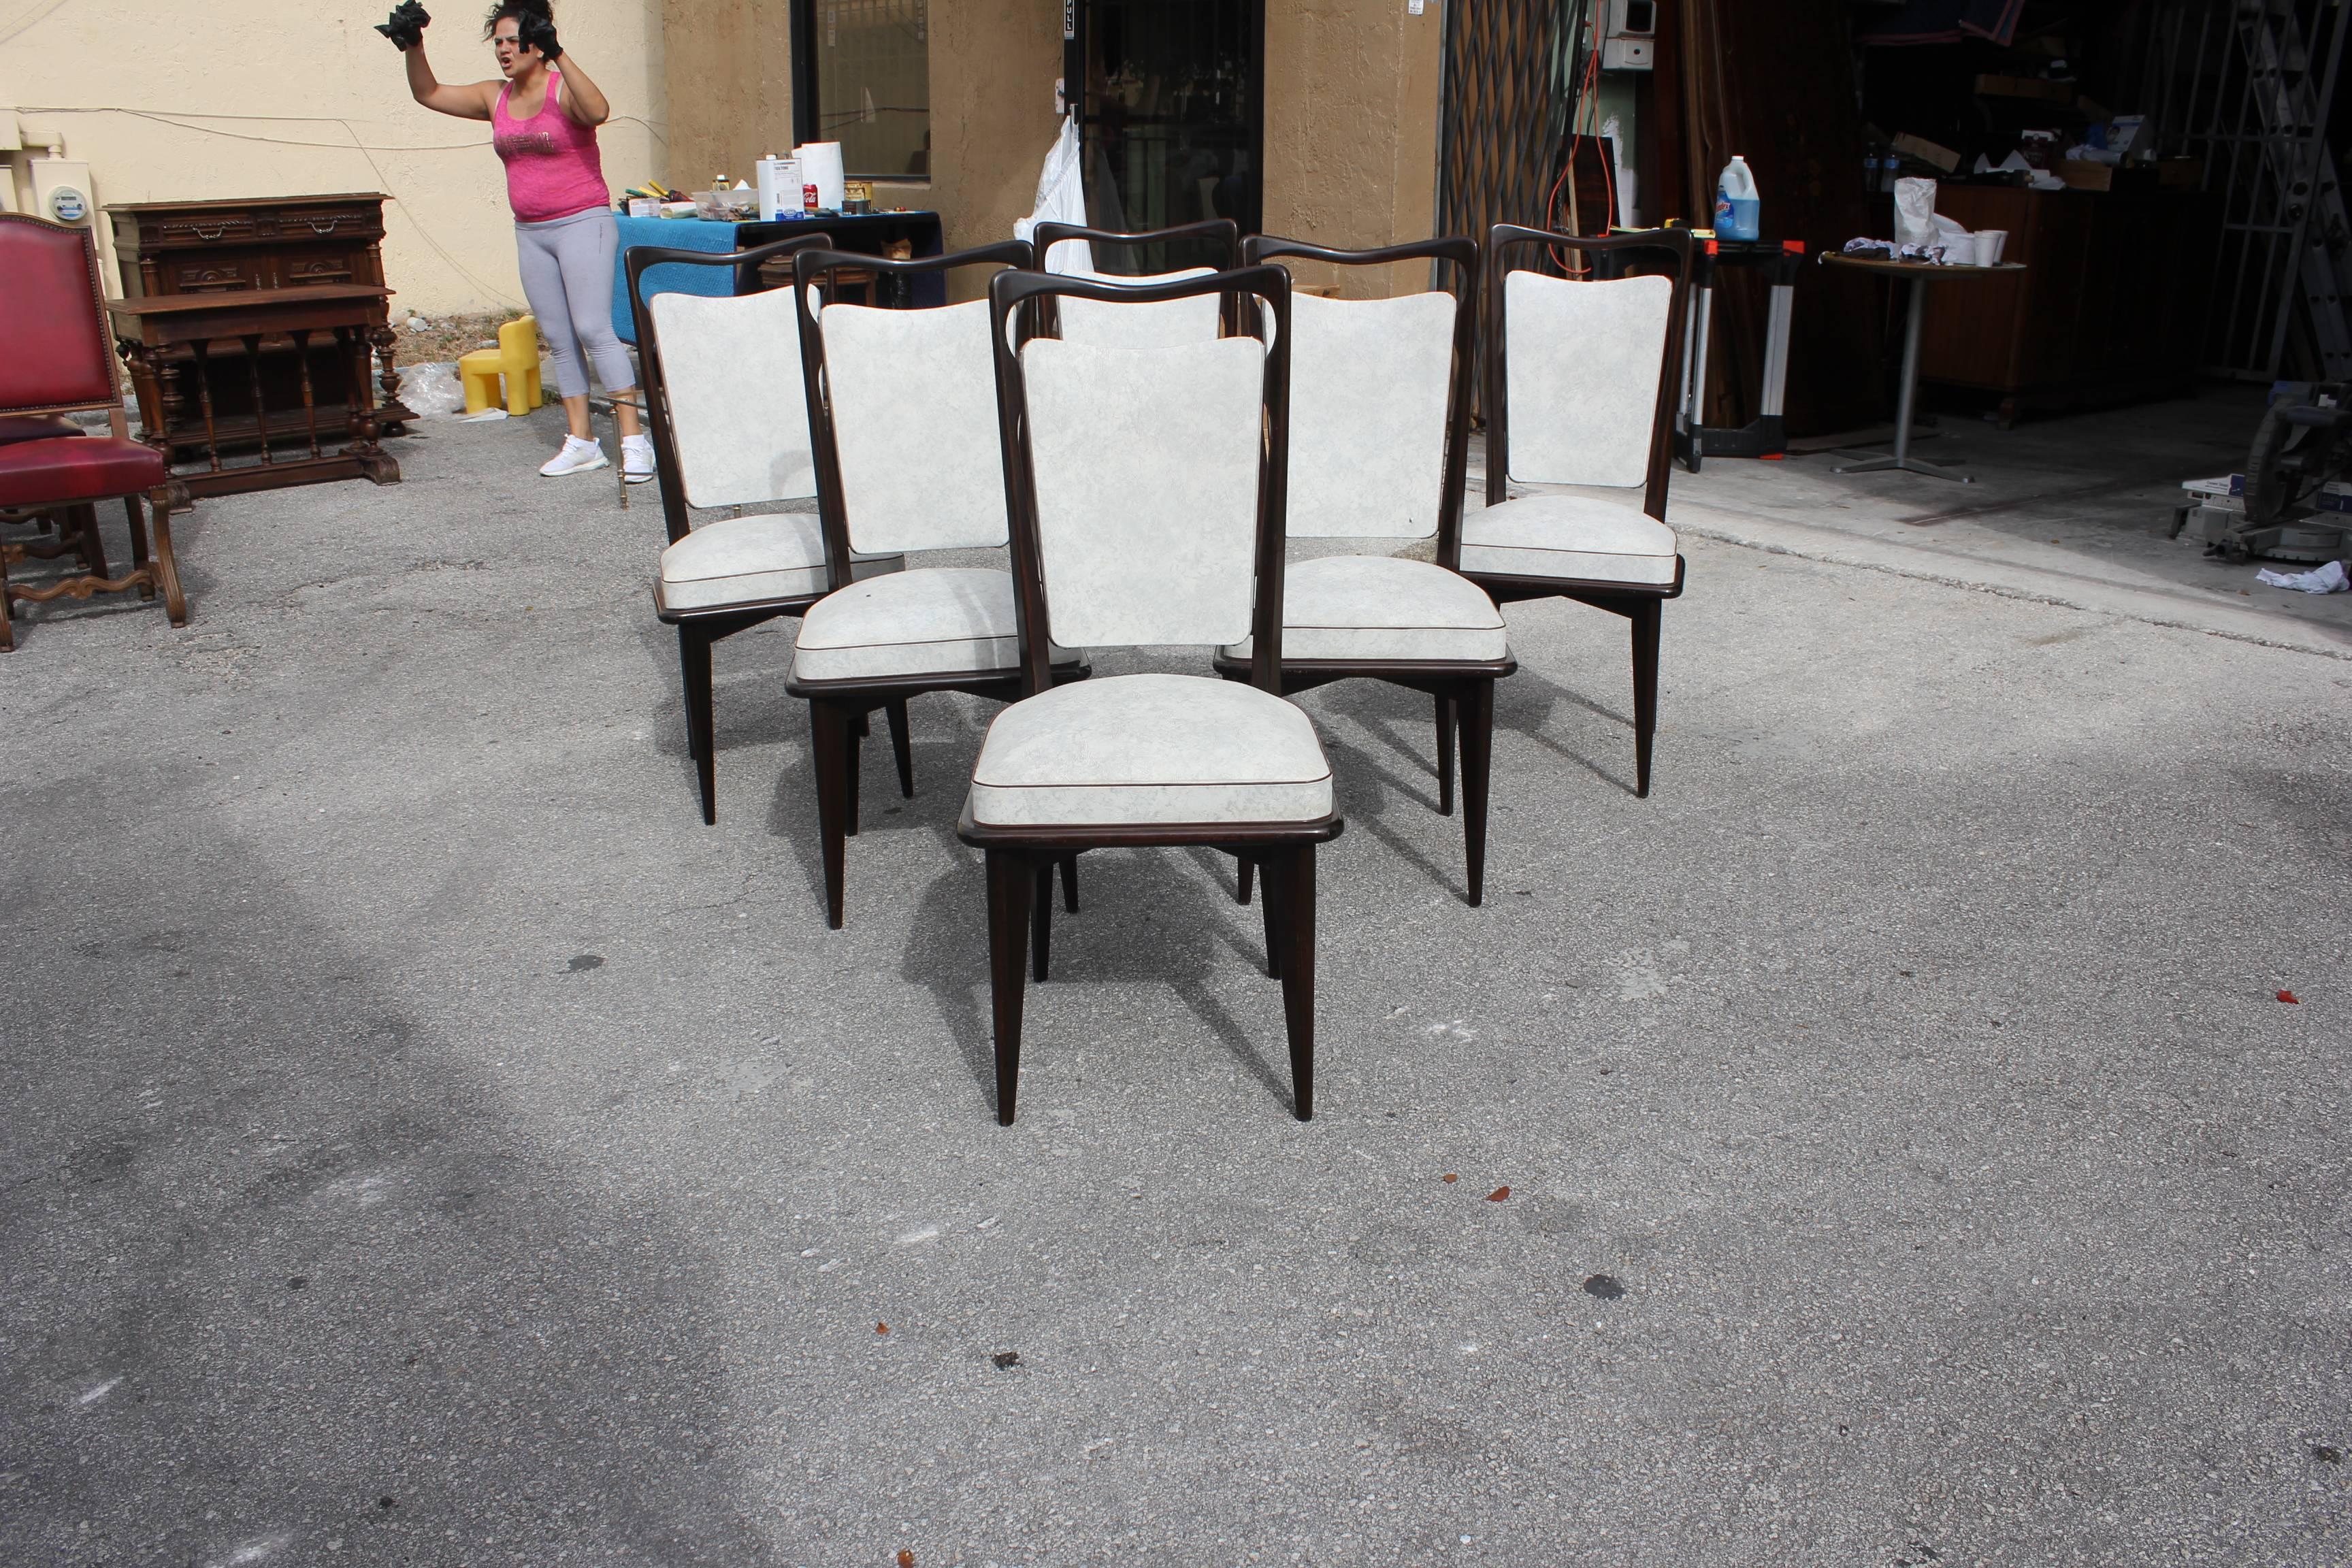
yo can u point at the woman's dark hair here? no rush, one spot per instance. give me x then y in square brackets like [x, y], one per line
[518, 10]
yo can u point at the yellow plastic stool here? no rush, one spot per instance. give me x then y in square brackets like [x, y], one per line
[514, 363]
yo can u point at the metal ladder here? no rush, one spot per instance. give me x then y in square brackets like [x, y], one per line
[2293, 109]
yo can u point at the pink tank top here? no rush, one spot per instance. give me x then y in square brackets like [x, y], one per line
[552, 169]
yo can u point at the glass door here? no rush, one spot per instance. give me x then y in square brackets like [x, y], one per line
[1170, 113]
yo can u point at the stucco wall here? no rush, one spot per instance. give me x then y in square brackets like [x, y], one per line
[1351, 91]
[993, 63]
[262, 98]
[728, 69]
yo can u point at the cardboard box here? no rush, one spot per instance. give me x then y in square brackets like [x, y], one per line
[2084, 175]
[2026, 87]
[1926, 152]
[2180, 173]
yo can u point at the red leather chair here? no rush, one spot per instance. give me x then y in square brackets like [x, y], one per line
[56, 357]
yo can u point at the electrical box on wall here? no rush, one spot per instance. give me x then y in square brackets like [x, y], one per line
[1629, 34]
[61, 191]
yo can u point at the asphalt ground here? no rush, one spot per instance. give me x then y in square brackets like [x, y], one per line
[426, 1143]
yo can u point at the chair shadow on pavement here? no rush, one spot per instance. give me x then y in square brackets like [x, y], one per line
[1144, 916]
[287, 1276]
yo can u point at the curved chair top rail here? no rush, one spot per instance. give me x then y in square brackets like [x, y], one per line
[1046, 235]
[1007, 293]
[1463, 252]
[1460, 249]
[809, 266]
[638, 259]
[1506, 237]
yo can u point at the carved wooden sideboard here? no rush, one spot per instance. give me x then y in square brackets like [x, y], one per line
[170, 248]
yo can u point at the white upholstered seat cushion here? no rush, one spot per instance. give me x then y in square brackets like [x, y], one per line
[1384, 607]
[1603, 538]
[1150, 749]
[934, 620]
[749, 560]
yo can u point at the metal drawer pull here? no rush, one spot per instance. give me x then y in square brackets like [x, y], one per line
[204, 233]
[324, 226]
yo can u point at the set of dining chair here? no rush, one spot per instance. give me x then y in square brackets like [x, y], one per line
[1143, 448]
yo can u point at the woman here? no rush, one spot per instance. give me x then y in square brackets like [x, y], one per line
[543, 120]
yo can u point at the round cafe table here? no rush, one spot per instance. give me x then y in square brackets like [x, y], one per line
[1920, 274]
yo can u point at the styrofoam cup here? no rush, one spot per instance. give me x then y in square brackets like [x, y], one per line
[1989, 244]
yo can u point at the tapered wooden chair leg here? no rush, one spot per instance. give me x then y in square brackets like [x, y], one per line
[1645, 690]
[701, 725]
[1244, 871]
[1446, 726]
[830, 754]
[854, 729]
[1270, 898]
[1477, 719]
[1041, 919]
[902, 748]
[175, 602]
[8, 624]
[1298, 975]
[1009, 887]
[1069, 884]
[139, 551]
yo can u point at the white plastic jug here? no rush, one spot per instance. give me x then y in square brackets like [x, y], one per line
[1736, 202]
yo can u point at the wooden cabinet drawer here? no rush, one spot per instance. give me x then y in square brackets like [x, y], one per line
[211, 229]
[213, 272]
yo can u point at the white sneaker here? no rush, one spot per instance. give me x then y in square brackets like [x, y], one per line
[578, 457]
[636, 458]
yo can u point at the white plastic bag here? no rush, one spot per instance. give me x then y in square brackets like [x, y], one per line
[432, 390]
[1061, 198]
[1915, 211]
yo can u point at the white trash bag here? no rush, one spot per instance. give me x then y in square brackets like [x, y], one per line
[432, 390]
[1061, 198]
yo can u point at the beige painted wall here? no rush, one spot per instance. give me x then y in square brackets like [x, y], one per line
[1351, 90]
[993, 63]
[729, 85]
[261, 98]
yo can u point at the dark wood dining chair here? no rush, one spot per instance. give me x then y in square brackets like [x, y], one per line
[1108, 552]
[902, 421]
[1380, 418]
[1579, 395]
[57, 357]
[723, 397]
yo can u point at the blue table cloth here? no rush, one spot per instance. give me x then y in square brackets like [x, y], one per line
[673, 234]
[864, 232]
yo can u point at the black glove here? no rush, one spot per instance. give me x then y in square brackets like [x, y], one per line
[405, 26]
[538, 31]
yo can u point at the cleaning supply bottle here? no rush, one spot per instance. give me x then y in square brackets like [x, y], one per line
[1736, 202]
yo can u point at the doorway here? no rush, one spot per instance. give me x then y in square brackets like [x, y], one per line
[1171, 116]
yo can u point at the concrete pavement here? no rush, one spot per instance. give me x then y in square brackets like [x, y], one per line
[428, 1143]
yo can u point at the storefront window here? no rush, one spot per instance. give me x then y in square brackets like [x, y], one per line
[867, 66]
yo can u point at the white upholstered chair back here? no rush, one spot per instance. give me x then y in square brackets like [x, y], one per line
[1156, 325]
[731, 383]
[1581, 364]
[913, 394]
[1148, 466]
[1369, 385]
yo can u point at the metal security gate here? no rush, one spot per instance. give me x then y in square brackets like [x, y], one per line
[2249, 86]
[1503, 112]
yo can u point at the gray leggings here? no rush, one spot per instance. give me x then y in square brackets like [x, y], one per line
[567, 276]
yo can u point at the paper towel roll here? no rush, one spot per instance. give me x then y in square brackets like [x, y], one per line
[821, 167]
